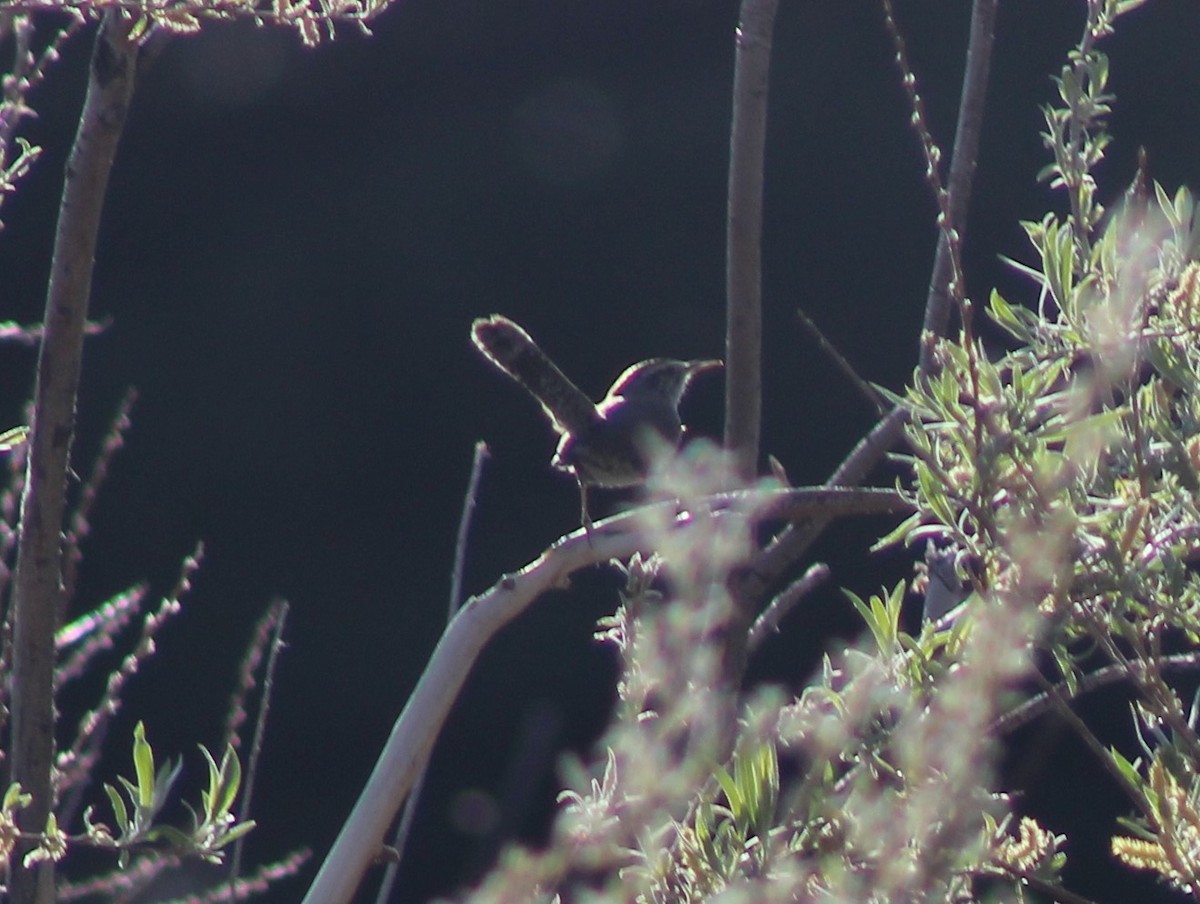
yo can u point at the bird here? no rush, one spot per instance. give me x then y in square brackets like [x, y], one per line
[608, 444]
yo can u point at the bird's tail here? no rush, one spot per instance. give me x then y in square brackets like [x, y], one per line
[513, 350]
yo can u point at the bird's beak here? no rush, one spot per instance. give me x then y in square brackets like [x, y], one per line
[699, 367]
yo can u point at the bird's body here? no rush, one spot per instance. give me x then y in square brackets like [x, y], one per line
[610, 444]
[631, 424]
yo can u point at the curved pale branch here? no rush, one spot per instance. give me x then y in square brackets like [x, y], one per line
[481, 617]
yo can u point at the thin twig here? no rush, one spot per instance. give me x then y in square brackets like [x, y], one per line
[962, 176]
[1063, 708]
[1037, 706]
[865, 389]
[768, 621]
[948, 227]
[277, 613]
[259, 647]
[39, 566]
[948, 230]
[80, 520]
[482, 453]
[76, 765]
[409, 812]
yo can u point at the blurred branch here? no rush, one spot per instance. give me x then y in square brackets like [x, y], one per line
[39, 557]
[313, 20]
[743, 291]
[1036, 707]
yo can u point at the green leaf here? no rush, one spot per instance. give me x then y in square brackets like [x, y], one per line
[14, 799]
[1129, 769]
[1099, 74]
[704, 832]
[898, 534]
[119, 812]
[766, 770]
[1166, 358]
[239, 830]
[167, 773]
[864, 610]
[1017, 322]
[13, 437]
[732, 791]
[143, 764]
[932, 494]
[882, 616]
[1124, 6]
[231, 769]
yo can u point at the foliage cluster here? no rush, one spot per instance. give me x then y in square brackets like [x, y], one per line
[1058, 479]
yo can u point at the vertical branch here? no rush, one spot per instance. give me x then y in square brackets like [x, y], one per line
[743, 303]
[743, 326]
[796, 538]
[39, 556]
[962, 174]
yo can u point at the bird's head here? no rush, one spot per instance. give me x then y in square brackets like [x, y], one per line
[663, 377]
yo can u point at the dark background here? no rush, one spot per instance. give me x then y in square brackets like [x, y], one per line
[296, 242]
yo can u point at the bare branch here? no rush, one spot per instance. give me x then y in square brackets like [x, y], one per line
[768, 622]
[743, 326]
[794, 540]
[39, 559]
[276, 616]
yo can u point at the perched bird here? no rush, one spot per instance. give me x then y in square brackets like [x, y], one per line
[609, 444]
